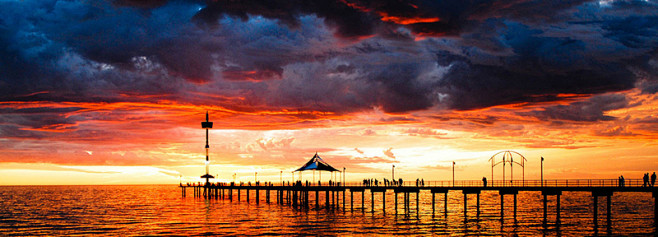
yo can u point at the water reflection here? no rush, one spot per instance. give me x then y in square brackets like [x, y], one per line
[159, 210]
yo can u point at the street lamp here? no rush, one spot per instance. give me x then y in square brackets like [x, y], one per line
[393, 173]
[343, 176]
[453, 173]
[542, 171]
[281, 177]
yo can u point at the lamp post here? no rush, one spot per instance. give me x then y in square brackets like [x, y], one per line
[453, 173]
[393, 173]
[343, 176]
[542, 171]
[281, 177]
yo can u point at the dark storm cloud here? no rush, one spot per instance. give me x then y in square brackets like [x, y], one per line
[329, 55]
[590, 110]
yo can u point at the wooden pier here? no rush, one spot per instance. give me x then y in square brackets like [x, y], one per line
[335, 196]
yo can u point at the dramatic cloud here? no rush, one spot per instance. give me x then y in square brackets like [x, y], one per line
[134, 74]
[591, 110]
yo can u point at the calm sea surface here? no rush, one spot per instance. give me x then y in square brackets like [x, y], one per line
[160, 210]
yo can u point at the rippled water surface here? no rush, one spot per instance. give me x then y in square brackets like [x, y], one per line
[160, 210]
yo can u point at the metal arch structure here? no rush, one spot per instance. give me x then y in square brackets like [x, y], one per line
[508, 157]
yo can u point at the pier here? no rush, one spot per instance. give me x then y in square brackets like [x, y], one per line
[300, 196]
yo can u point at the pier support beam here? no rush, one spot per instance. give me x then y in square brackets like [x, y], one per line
[655, 208]
[445, 203]
[396, 202]
[545, 209]
[417, 203]
[557, 210]
[352, 200]
[545, 193]
[343, 199]
[478, 205]
[363, 193]
[384, 201]
[608, 214]
[502, 207]
[502, 193]
[382, 190]
[372, 200]
[595, 195]
[515, 207]
[465, 206]
[433, 200]
[467, 191]
[596, 210]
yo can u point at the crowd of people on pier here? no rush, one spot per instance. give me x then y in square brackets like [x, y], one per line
[389, 183]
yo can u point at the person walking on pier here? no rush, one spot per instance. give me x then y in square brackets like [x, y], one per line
[653, 179]
[484, 181]
[645, 178]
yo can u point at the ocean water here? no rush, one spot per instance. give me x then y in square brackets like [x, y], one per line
[161, 210]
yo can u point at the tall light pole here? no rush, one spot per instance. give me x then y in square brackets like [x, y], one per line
[343, 176]
[542, 171]
[393, 173]
[453, 173]
[281, 177]
[207, 125]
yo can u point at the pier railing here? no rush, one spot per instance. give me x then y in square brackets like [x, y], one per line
[519, 183]
[475, 183]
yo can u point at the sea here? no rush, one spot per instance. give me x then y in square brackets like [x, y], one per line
[161, 210]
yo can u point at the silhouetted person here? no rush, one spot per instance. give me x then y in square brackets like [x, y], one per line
[422, 182]
[484, 181]
[623, 181]
[400, 182]
[653, 179]
[645, 178]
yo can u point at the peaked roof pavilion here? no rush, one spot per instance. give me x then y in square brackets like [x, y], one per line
[317, 163]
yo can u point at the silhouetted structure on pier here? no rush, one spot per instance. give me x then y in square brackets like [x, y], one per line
[207, 125]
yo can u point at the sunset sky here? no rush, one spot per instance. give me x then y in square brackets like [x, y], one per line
[114, 92]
